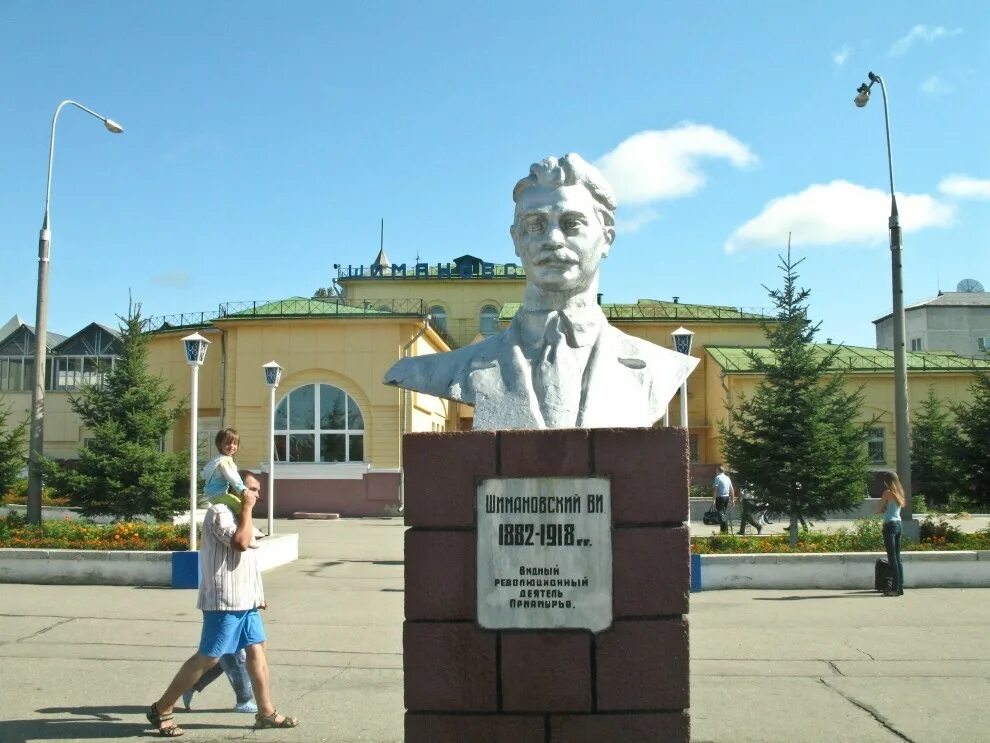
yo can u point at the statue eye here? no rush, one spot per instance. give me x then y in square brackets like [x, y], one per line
[535, 225]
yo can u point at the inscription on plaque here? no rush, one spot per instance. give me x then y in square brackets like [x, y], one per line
[545, 553]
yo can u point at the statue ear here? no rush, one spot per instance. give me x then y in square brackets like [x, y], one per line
[609, 236]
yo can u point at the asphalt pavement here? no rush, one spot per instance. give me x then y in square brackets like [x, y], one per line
[84, 662]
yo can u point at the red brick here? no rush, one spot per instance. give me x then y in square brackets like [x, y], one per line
[427, 728]
[440, 574]
[545, 453]
[448, 666]
[546, 671]
[649, 471]
[651, 571]
[648, 727]
[440, 471]
[643, 665]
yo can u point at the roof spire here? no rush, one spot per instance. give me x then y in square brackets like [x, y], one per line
[382, 259]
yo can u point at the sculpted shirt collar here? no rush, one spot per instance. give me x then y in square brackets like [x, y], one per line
[580, 324]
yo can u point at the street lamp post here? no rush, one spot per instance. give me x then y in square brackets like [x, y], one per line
[682, 344]
[195, 346]
[273, 375]
[37, 435]
[900, 357]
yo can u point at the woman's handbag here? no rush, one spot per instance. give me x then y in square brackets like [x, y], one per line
[712, 517]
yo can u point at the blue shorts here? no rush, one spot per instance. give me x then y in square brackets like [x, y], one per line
[229, 631]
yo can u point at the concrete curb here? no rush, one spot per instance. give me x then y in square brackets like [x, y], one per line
[126, 568]
[837, 570]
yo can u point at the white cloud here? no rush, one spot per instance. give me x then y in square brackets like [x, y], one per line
[935, 86]
[636, 221]
[842, 55]
[927, 34]
[665, 164]
[175, 279]
[839, 212]
[965, 187]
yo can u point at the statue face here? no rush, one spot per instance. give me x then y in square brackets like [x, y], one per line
[559, 238]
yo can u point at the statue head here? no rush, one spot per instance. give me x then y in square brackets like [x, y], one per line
[564, 223]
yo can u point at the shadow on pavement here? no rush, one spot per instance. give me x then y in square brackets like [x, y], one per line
[848, 594]
[91, 723]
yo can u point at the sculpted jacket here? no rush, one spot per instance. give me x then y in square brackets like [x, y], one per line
[627, 382]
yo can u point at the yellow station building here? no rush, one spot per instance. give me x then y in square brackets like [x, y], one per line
[338, 429]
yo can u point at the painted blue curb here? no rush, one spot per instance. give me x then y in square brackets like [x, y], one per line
[185, 569]
[695, 573]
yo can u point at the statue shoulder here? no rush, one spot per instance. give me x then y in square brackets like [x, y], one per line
[444, 374]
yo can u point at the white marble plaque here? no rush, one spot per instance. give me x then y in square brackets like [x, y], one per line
[545, 553]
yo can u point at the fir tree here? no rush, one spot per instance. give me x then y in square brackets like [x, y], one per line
[13, 446]
[934, 448]
[795, 442]
[123, 471]
[973, 450]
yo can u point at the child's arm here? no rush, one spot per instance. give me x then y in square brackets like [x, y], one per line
[228, 469]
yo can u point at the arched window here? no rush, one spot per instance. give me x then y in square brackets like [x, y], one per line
[439, 315]
[488, 324]
[318, 423]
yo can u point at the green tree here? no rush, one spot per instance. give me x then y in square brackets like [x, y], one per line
[973, 419]
[13, 448]
[934, 451]
[123, 471]
[795, 442]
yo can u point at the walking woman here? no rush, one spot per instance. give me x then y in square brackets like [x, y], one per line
[891, 502]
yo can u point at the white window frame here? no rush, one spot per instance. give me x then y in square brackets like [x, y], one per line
[494, 319]
[317, 431]
[916, 344]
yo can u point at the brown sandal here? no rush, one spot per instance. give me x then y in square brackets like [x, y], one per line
[156, 718]
[263, 722]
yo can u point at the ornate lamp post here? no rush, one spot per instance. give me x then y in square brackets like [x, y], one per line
[273, 375]
[900, 358]
[195, 346]
[37, 436]
[682, 344]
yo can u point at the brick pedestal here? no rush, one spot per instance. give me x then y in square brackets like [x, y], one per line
[628, 683]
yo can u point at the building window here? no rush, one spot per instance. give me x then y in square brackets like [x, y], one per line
[694, 447]
[876, 447]
[916, 344]
[439, 315]
[72, 372]
[16, 373]
[983, 343]
[318, 423]
[488, 320]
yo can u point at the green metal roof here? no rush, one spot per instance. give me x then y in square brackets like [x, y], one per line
[648, 310]
[735, 360]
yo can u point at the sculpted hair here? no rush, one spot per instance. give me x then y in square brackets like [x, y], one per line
[572, 170]
[227, 436]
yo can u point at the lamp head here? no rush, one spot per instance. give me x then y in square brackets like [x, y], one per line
[862, 95]
[112, 126]
[273, 373]
[195, 346]
[682, 340]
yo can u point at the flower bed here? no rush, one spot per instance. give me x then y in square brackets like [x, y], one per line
[70, 534]
[866, 537]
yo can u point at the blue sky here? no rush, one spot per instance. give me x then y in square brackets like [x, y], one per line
[265, 141]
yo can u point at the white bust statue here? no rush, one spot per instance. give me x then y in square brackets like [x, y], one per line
[559, 364]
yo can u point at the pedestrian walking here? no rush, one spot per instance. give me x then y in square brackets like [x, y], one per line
[749, 510]
[230, 595]
[722, 493]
